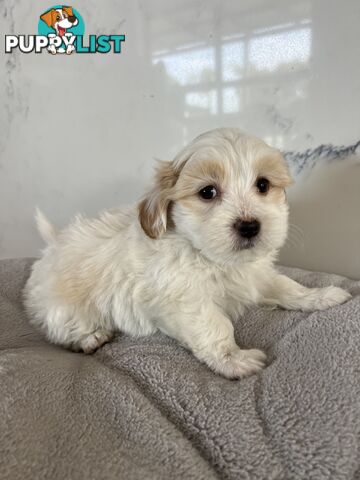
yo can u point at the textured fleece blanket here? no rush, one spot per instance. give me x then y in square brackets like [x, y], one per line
[145, 408]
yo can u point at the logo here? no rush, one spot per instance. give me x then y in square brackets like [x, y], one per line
[61, 30]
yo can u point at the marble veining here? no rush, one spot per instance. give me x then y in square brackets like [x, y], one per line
[306, 160]
[16, 89]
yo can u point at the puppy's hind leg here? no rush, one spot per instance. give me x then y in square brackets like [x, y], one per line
[75, 330]
[87, 336]
[91, 342]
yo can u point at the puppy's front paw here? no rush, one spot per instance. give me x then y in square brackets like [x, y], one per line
[70, 49]
[331, 296]
[242, 363]
[52, 49]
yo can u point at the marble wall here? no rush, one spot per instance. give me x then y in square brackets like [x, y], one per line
[78, 133]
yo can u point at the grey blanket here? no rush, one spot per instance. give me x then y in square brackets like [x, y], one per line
[145, 408]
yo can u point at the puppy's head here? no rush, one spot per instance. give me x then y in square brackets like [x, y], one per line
[225, 192]
[60, 19]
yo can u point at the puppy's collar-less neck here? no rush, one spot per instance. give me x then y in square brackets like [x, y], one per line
[221, 267]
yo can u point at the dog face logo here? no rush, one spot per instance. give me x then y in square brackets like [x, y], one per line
[61, 24]
[60, 19]
[61, 29]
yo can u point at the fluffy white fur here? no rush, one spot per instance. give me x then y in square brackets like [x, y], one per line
[175, 262]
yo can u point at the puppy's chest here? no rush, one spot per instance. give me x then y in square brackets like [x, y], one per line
[233, 291]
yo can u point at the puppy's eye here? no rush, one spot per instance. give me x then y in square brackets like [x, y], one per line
[263, 185]
[208, 193]
[58, 17]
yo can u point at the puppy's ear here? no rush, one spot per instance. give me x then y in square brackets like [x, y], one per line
[47, 17]
[154, 208]
[284, 176]
[69, 11]
[275, 168]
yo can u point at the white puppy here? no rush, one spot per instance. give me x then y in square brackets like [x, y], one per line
[195, 252]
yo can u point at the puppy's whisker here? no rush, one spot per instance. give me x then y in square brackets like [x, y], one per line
[295, 237]
[294, 244]
[295, 228]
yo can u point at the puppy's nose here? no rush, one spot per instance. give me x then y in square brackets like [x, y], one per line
[247, 228]
[72, 19]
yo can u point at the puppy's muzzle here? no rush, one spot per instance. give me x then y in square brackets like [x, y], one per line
[247, 228]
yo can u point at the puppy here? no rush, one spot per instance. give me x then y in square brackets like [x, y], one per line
[191, 256]
[60, 19]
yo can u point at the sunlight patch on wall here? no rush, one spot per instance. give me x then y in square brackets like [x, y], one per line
[189, 67]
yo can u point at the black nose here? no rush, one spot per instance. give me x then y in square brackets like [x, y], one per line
[72, 19]
[247, 228]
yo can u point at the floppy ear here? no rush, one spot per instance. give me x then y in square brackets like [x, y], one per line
[47, 17]
[69, 11]
[282, 171]
[274, 167]
[154, 208]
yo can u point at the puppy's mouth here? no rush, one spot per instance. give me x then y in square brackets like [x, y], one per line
[61, 30]
[245, 243]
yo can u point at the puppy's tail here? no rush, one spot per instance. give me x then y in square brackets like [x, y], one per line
[47, 231]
